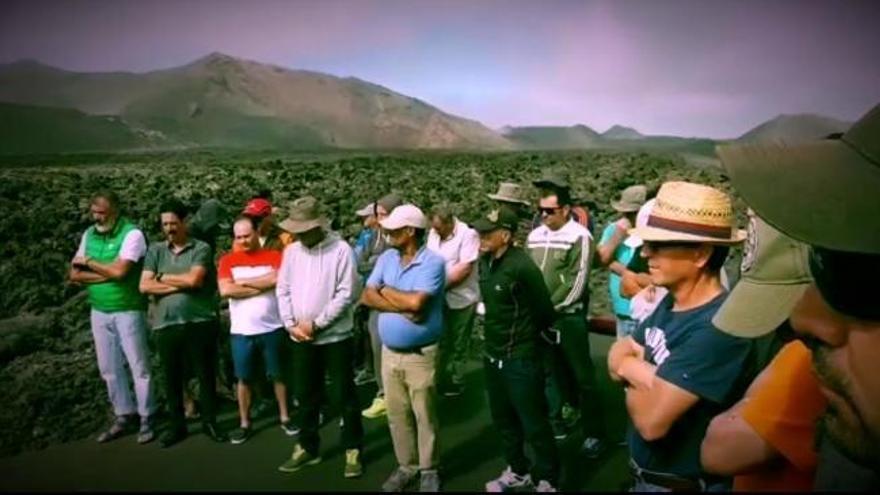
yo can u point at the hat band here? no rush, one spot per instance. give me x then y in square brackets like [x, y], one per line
[690, 227]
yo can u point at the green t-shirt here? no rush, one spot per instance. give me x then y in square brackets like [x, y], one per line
[187, 306]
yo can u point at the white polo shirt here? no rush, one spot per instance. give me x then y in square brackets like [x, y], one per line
[463, 245]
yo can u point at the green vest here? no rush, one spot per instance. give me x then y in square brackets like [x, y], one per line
[115, 295]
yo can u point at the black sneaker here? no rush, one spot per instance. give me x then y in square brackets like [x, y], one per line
[560, 432]
[240, 435]
[290, 428]
[214, 433]
[171, 437]
[592, 447]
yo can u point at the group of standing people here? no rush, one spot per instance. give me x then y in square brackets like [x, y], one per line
[688, 350]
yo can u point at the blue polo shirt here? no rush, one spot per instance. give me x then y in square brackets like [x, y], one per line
[426, 272]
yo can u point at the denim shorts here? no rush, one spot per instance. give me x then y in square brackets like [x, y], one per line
[246, 347]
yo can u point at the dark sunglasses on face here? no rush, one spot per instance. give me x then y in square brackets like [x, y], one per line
[549, 211]
[842, 278]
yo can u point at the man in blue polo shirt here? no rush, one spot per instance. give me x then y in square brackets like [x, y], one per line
[406, 287]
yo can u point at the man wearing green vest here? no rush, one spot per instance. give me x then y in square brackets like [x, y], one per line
[109, 262]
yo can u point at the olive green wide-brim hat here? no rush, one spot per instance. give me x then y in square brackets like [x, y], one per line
[825, 193]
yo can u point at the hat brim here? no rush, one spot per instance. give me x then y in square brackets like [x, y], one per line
[545, 183]
[299, 226]
[365, 211]
[823, 193]
[753, 310]
[389, 223]
[508, 200]
[483, 225]
[654, 234]
[624, 207]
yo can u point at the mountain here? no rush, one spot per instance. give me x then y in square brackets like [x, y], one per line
[550, 137]
[621, 132]
[223, 101]
[795, 127]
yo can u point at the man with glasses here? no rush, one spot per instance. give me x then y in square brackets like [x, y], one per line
[836, 182]
[561, 248]
[407, 288]
[678, 369]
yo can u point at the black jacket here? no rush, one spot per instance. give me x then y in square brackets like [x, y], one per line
[517, 302]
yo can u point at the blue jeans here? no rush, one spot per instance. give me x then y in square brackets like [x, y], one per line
[119, 336]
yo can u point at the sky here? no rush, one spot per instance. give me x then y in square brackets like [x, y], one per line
[707, 68]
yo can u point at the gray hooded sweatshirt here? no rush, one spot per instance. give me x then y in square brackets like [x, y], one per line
[319, 285]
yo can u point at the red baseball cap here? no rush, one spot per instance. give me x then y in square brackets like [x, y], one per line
[258, 207]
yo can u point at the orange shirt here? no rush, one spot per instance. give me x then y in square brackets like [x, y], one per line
[784, 411]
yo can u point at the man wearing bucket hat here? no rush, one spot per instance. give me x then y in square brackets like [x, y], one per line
[767, 439]
[514, 196]
[407, 288]
[316, 288]
[367, 261]
[679, 370]
[825, 193]
[615, 254]
[518, 307]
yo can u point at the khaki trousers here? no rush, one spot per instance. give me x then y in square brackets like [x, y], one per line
[410, 399]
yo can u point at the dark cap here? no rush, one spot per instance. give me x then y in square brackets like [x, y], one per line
[503, 217]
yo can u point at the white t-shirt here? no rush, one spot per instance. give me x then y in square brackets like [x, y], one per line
[134, 246]
[258, 314]
[463, 246]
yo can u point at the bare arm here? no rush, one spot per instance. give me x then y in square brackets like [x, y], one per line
[262, 283]
[732, 446]
[87, 277]
[373, 299]
[411, 302]
[458, 274]
[193, 279]
[232, 290]
[606, 250]
[149, 285]
[655, 409]
[631, 283]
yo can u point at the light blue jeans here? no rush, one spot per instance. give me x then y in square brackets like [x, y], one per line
[123, 335]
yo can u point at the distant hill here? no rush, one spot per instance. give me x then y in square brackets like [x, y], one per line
[550, 137]
[621, 132]
[224, 101]
[25, 128]
[795, 127]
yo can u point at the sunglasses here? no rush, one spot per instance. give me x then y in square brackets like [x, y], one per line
[841, 278]
[549, 211]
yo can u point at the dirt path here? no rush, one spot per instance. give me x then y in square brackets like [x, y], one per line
[470, 455]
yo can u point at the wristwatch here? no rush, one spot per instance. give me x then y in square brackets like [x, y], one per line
[159, 277]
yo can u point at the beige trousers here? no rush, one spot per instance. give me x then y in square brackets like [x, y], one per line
[410, 399]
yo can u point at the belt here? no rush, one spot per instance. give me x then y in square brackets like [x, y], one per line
[671, 481]
[410, 350]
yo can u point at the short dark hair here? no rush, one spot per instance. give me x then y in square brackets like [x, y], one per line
[563, 195]
[175, 206]
[111, 197]
[444, 212]
[717, 258]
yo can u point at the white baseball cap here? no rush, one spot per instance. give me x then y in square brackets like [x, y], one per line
[407, 215]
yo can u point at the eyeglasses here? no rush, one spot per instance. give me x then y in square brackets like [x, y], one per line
[549, 211]
[841, 278]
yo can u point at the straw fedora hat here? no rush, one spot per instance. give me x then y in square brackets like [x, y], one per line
[510, 192]
[687, 212]
[304, 214]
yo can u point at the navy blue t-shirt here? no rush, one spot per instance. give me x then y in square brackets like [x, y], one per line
[691, 353]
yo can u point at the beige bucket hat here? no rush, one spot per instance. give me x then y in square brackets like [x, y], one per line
[510, 192]
[303, 215]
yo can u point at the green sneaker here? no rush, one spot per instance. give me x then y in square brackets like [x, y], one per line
[298, 460]
[353, 466]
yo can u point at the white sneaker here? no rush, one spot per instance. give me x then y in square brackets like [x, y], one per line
[509, 481]
[545, 486]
